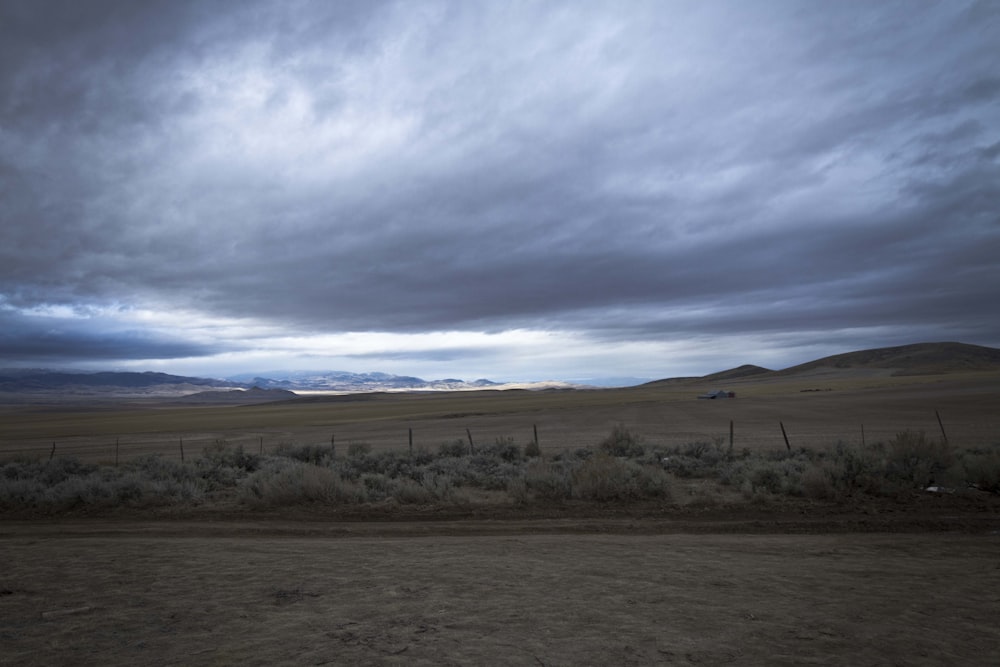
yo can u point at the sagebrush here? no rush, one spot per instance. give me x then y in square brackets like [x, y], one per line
[620, 468]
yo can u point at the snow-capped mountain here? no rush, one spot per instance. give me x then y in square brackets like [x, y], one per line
[346, 381]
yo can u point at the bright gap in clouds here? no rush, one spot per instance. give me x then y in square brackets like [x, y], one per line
[515, 355]
[508, 356]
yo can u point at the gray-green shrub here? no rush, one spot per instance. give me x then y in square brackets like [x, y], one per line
[981, 469]
[606, 478]
[502, 448]
[622, 442]
[548, 480]
[320, 455]
[917, 460]
[358, 449]
[288, 482]
[65, 484]
[454, 448]
[221, 454]
[532, 450]
[616, 470]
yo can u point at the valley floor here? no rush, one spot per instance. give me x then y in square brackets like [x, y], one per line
[697, 578]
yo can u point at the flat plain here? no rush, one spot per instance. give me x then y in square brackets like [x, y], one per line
[816, 409]
[915, 583]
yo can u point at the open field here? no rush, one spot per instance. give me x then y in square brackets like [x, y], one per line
[817, 409]
[105, 592]
[270, 562]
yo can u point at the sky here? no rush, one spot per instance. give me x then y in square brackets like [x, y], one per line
[511, 190]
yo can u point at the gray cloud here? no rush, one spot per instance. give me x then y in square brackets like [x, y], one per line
[677, 170]
[60, 341]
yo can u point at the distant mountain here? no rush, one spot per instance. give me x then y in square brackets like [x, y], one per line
[41, 384]
[353, 382]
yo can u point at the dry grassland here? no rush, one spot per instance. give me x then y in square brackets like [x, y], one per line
[819, 409]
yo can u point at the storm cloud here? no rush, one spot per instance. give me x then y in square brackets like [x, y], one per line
[518, 190]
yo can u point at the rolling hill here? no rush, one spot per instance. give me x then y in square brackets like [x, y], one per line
[916, 359]
[738, 373]
[902, 360]
[237, 396]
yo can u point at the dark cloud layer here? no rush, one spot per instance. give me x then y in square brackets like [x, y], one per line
[664, 171]
[60, 341]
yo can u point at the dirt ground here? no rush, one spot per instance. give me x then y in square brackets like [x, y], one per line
[750, 588]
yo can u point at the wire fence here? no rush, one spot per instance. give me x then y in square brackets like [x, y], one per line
[122, 451]
[187, 448]
[555, 437]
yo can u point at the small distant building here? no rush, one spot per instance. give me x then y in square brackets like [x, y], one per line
[718, 393]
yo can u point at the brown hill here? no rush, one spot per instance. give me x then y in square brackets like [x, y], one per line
[916, 359]
[744, 371]
[238, 396]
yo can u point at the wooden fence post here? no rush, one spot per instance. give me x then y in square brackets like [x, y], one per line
[333, 445]
[472, 446]
[411, 443]
[785, 436]
[941, 424]
[535, 426]
[182, 450]
[53, 452]
[730, 436]
[116, 452]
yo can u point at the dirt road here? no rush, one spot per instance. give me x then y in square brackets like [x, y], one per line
[613, 590]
